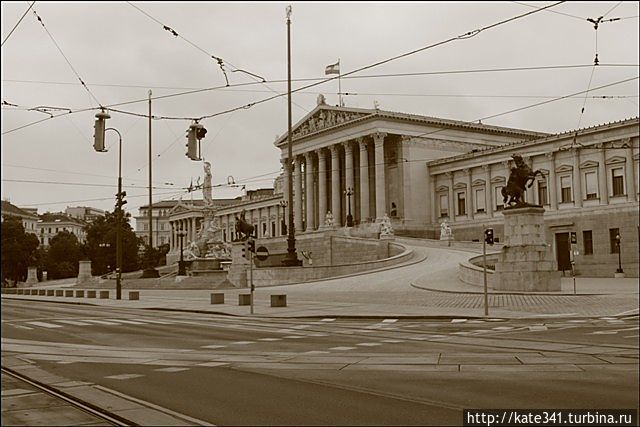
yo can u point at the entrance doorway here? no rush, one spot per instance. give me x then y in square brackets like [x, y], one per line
[562, 251]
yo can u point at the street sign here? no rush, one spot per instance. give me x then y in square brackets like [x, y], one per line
[262, 253]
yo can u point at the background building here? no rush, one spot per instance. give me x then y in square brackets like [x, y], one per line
[50, 224]
[29, 219]
[85, 213]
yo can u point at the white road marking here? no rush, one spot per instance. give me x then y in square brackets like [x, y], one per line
[393, 341]
[44, 324]
[538, 328]
[315, 352]
[269, 339]
[369, 344]
[389, 320]
[603, 333]
[632, 336]
[171, 369]
[131, 322]
[22, 327]
[242, 342]
[317, 334]
[213, 346]
[161, 322]
[73, 322]
[328, 320]
[295, 337]
[502, 328]
[100, 322]
[458, 320]
[212, 364]
[342, 348]
[124, 376]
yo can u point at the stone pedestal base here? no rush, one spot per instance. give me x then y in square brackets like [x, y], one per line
[239, 266]
[526, 263]
[84, 272]
[32, 275]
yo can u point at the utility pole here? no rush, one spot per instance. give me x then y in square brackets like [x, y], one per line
[150, 272]
[291, 259]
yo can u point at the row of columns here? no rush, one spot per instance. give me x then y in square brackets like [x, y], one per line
[187, 224]
[337, 197]
[532, 195]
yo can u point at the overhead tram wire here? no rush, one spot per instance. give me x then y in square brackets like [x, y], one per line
[17, 23]
[552, 11]
[65, 58]
[80, 184]
[464, 36]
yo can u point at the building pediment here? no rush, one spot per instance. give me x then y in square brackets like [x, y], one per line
[589, 164]
[478, 182]
[324, 117]
[615, 159]
[442, 188]
[459, 185]
[498, 180]
[564, 168]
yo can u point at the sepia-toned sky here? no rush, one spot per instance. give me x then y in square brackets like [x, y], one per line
[121, 50]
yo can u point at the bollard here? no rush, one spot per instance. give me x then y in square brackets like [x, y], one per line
[91, 294]
[59, 292]
[68, 293]
[42, 292]
[79, 294]
[104, 294]
[217, 298]
[50, 292]
[278, 300]
[134, 295]
[244, 299]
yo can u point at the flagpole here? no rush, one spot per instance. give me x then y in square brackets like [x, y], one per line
[339, 85]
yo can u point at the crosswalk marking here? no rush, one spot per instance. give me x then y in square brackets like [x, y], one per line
[171, 369]
[44, 324]
[342, 348]
[100, 322]
[269, 339]
[328, 320]
[124, 376]
[73, 322]
[295, 337]
[389, 320]
[393, 341]
[213, 346]
[160, 322]
[369, 344]
[22, 327]
[130, 322]
[242, 342]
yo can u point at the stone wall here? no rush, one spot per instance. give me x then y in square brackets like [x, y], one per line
[472, 272]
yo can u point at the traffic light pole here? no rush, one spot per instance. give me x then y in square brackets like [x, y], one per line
[119, 220]
[484, 268]
[251, 277]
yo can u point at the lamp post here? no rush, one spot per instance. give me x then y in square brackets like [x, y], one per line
[150, 271]
[283, 228]
[349, 193]
[291, 259]
[619, 270]
[181, 270]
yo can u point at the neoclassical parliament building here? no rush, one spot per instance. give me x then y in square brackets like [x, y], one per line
[420, 171]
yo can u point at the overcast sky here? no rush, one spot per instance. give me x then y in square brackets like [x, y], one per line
[121, 52]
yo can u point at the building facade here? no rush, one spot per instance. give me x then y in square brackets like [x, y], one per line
[160, 217]
[422, 170]
[50, 224]
[29, 219]
[85, 213]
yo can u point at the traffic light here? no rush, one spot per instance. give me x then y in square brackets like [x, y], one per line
[574, 238]
[120, 200]
[100, 125]
[488, 236]
[252, 245]
[192, 144]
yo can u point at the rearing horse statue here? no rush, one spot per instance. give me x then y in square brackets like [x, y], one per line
[243, 228]
[521, 178]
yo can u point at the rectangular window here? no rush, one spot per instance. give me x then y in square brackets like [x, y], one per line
[145, 227]
[273, 228]
[613, 242]
[587, 238]
[499, 198]
[162, 227]
[264, 229]
[617, 181]
[461, 204]
[591, 185]
[162, 240]
[480, 202]
[542, 194]
[444, 205]
[565, 186]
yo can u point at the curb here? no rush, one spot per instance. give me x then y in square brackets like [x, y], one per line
[492, 292]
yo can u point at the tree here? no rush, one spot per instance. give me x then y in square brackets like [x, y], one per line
[103, 232]
[65, 251]
[18, 250]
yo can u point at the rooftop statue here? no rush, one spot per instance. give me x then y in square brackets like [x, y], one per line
[521, 178]
[206, 187]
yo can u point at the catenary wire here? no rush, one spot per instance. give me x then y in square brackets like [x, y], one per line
[17, 23]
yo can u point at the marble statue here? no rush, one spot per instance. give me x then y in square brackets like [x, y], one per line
[385, 226]
[206, 187]
[328, 219]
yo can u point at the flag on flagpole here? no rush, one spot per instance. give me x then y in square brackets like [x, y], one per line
[333, 68]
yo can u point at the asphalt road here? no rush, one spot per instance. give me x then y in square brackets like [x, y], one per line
[241, 370]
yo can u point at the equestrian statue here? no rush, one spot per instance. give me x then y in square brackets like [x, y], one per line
[521, 178]
[243, 228]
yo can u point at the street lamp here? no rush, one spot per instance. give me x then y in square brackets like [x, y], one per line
[619, 270]
[283, 227]
[349, 193]
[181, 270]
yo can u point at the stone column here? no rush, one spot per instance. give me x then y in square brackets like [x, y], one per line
[309, 193]
[322, 186]
[364, 180]
[430, 197]
[467, 172]
[435, 198]
[488, 196]
[381, 201]
[297, 203]
[285, 181]
[552, 188]
[348, 165]
[630, 180]
[577, 185]
[603, 188]
[335, 186]
[452, 212]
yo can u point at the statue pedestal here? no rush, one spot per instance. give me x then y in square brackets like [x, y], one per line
[32, 275]
[239, 266]
[84, 272]
[526, 263]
